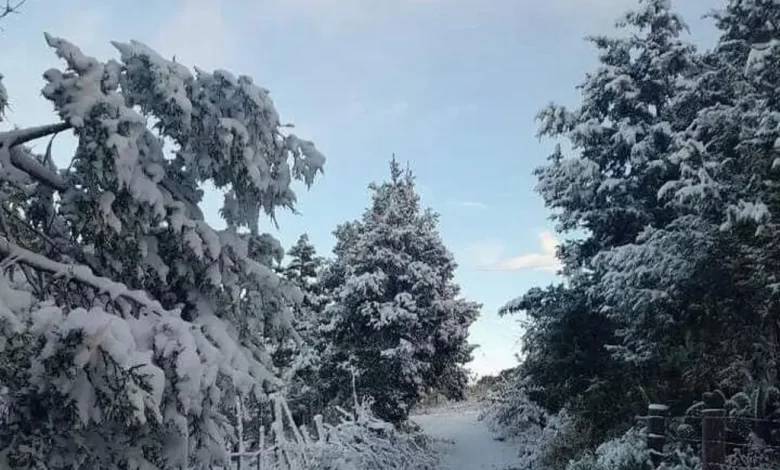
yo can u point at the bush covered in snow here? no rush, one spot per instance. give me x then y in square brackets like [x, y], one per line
[356, 441]
[628, 452]
[510, 413]
[562, 440]
[367, 443]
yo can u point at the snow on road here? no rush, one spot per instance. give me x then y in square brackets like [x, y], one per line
[466, 443]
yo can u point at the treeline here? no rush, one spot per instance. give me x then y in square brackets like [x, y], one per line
[668, 201]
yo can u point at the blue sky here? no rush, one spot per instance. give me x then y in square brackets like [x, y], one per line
[452, 86]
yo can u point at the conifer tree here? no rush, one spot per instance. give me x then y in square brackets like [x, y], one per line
[128, 325]
[305, 391]
[605, 194]
[396, 321]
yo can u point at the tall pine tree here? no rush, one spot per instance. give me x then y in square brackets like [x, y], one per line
[304, 269]
[303, 360]
[396, 322]
[622, 136]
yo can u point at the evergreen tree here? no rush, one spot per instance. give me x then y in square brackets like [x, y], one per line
[303, 361]
[304, 265]
[304, 269]
[128, 326]
[713, 266]
[396, 320]
[622, 138]
[674, 283]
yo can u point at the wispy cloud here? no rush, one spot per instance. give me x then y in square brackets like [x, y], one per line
[490, 255]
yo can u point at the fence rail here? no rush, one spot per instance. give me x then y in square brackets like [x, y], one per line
[713, 440]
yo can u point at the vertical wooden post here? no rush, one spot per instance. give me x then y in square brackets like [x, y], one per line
[656, 431]
[240, 431]
[260, 440]
[713, 447]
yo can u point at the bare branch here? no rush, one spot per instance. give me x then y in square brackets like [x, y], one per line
[11, 7]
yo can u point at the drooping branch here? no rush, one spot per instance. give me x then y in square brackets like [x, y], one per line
[81, 274]
[11, 141]
[25, 162]
[22, 136]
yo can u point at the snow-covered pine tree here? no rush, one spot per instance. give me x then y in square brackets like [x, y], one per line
[731, 185]
[722, 244]
[304, 268]
[396, 320]
[128, 324]
[620, 135]
[606, 195]
[305, 393]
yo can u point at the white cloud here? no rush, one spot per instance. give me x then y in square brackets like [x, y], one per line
[489, 255]
[198, 34]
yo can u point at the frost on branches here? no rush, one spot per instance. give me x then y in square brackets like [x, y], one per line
[396, 320]
[127, 324]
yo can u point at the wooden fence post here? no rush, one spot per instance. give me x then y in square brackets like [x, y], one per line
[240, 432]
[656, 431]
[713, 447]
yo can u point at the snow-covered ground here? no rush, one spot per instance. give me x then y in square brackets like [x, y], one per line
[465, 441]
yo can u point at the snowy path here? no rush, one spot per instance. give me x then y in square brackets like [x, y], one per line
[468, 444]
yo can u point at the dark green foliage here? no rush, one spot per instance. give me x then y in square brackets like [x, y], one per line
[670, 199]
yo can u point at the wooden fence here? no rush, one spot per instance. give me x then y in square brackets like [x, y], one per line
[713, 442]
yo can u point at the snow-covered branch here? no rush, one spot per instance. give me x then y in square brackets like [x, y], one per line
[10, 145]
[79, 273]
[22, 136]
[131, 212]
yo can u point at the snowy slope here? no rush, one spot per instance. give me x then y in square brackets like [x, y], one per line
[466, 443]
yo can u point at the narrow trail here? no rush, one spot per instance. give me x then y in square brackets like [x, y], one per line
[466, 443]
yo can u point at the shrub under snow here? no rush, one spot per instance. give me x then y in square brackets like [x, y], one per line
[367, 443]
[358, 441]
[627, 452]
